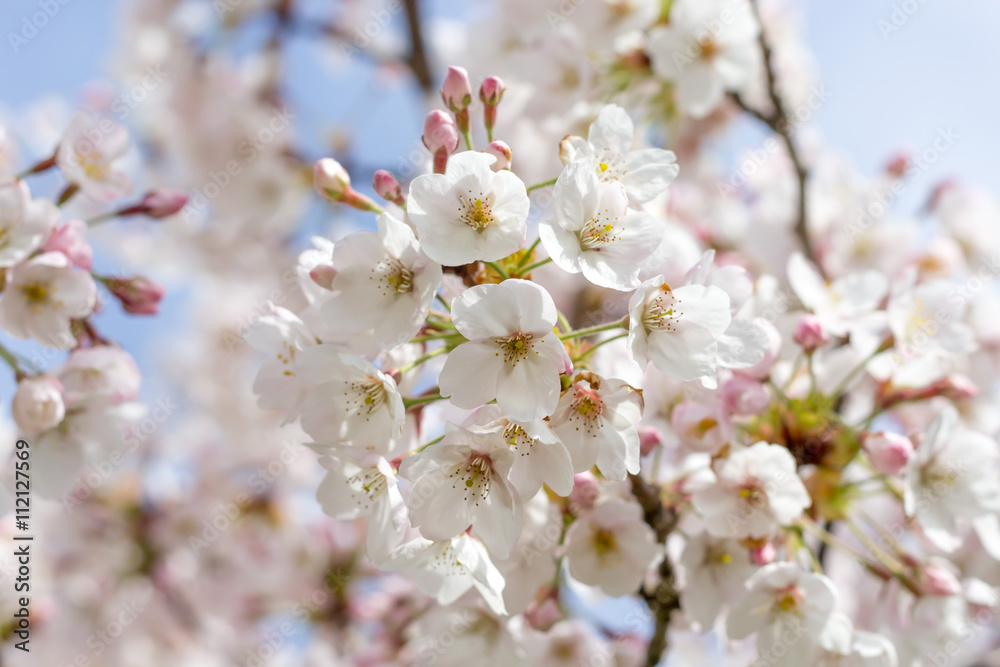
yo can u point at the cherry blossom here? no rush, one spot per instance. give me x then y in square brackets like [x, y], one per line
[469, 212]
[607, 154]
[463, 482]
[757, 491]
[42, 295]
[512, 354]
[611, 547]
[595, 233]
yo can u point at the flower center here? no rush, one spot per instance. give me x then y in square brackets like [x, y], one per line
[366, 395]
[476, 213]
[707, 49]
[478, 475]
[753, 495]
[662, 311]
[599, 231]
[398, 277]
[369, 484]
[787, 599]
[515, 435]
[604, 542]
[516, 347]
[587, 407]
[699, 429]
[93, 167]
[36, 294]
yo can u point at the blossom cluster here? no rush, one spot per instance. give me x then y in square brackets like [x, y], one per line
[75, 412]
[440, 324]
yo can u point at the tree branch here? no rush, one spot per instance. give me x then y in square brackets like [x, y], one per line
[665, 598]
[418, 54]
[779, 122]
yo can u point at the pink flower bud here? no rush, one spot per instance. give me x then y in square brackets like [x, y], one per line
[936, 580]
[543, 615]
[584, 493]
[501, 151]
[888, 452]
[810, 334]
[440, 137]
[139, 295]
[649, 439]
[763, 554]
[896, 167]
[762, 368]
[957, 386]
[457, 91]
[699, 426]
[387, 187]
[70, 240]
[38, 404]
[323, 275]
[491, 91]
[742, 395]
[163, 203]
[331, 180]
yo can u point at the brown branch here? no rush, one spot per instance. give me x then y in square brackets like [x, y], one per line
[779, 122]
[665, 599]
[418, 55]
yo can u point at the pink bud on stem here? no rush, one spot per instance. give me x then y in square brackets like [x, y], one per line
[440, 138]
[387, 187]
[333, 183]
[490, 94]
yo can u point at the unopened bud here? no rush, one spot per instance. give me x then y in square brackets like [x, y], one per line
[763, 554]
[387, 187]
[440, 138]
[501, 151]
[164, 203]
[743, 395]
[139, 295]
[649, 440]
[333, 183]
[456, 93]
[810, 333]
[936, 580]
[888, 452]
[584, 493]
[331, 180]
[490, 93]
[543, 615]
[38, 404]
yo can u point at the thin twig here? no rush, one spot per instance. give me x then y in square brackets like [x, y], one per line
[665, 599]
[418, 54]
[779, 122]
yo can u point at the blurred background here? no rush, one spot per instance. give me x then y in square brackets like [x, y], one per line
[192, 80]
